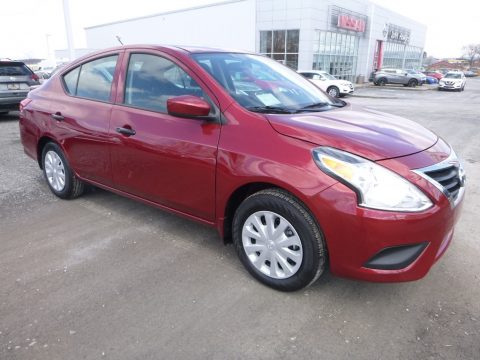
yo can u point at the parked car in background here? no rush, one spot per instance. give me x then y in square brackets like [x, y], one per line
[297, 179]
[470, 73]
[398, 76]
[328, 83]
[16, 79]
[454, 80]
[431, 80]
[436, 74]
[42, 76]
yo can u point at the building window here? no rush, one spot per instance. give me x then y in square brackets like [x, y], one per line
[336, 53]
[397, 55]
[281, 45]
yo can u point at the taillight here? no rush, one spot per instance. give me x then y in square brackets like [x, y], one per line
[23, 104]
[35, 77]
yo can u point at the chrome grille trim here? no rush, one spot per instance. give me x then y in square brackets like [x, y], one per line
[450, 172]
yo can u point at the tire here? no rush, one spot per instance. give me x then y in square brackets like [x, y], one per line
[382, 82]
[412, 83]
[333, 91]
[300, 261]
[60, 178]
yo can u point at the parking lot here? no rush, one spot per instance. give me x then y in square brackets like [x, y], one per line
[106, 277]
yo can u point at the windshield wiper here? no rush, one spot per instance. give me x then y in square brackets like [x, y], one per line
[321, 105]
[271, 110]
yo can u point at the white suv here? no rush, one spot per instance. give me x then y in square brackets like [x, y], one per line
[329, 83]
[453, 80]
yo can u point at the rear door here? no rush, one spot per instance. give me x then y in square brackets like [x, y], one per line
[166, 159]
[82, 116]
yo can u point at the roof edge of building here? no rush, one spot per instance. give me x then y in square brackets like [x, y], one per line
[165, 13]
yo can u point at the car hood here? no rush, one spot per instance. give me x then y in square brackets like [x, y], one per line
[366, 132]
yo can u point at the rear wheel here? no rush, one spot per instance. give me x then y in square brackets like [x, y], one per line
[382, 82]
[278, 241]
[59, 176]
[413, 83]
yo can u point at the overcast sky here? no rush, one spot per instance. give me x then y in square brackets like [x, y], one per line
[25, 25]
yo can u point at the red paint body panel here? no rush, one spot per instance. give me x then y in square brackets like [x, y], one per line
[193, 166]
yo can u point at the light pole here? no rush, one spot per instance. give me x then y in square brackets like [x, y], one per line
[48, 36]
[68, 29]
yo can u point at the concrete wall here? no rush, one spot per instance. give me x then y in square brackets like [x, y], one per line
[228, 25]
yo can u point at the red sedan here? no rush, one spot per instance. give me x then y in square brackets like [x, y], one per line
[296, 179]
[435, 74]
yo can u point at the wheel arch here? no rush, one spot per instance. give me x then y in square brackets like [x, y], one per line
[44, 140]
[244, 191]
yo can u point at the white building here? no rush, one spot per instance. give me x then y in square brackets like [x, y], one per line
[347, 38]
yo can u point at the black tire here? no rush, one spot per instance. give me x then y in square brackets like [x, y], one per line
[73, 186]
[333, 91]
[412, 83]
[313, 249]
[440, 89]
[382, 81]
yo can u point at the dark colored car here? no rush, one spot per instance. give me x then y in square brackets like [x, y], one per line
[240, 142]
[15, 82]
[435, 74]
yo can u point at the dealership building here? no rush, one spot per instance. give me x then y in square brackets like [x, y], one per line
[347, 38]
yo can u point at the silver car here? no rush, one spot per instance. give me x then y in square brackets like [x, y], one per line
[15, 82]
[410, 78]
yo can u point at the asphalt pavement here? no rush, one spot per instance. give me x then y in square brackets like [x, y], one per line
[104, 277]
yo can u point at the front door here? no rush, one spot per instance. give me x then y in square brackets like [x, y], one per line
[163, 158]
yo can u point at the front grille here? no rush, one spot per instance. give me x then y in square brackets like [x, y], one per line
[449, 82]
[449, 178]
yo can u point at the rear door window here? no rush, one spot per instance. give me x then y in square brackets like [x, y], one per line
[92, 80]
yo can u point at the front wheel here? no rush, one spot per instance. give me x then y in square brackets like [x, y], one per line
[60, 178]
[278, 241]
[333, 91]
[413, 83]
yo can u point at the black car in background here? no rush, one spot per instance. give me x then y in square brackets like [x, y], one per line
[15, 82]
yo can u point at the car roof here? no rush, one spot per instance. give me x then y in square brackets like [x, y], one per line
[14, 63]
[312, 71]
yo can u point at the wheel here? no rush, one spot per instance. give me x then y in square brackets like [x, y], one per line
[59, 176]
[333, 91]
[440, 89]
[463, 88]
[382, 81]
[412, 83]
[278, 241]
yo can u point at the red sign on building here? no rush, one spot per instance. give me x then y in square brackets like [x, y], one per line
[351, 23]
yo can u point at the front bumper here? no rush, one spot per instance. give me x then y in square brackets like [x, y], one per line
[346, 90]
[360, 240]
[456, 86]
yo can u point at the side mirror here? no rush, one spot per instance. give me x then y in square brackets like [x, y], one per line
[188, 106]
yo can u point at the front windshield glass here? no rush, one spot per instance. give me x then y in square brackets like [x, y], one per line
[261, 84]
[453, 76]
[328, 76]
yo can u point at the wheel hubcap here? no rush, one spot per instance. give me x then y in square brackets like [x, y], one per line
[54, 170]
[332, 92]
[272, 244]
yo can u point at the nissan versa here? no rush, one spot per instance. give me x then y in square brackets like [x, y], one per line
[296, 179]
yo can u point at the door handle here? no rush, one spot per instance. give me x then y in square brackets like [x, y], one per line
[125, 131]
[57, 116]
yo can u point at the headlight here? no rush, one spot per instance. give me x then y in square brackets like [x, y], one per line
[376, 187]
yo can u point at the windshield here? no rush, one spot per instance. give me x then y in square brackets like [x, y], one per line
[328, 76]
[453, 76]
[261, 84]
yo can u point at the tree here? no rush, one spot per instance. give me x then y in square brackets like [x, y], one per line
[471, 51]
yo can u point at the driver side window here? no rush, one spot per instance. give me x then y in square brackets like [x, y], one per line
[152, 80]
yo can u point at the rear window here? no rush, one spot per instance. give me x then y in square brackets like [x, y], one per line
[14, 70]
